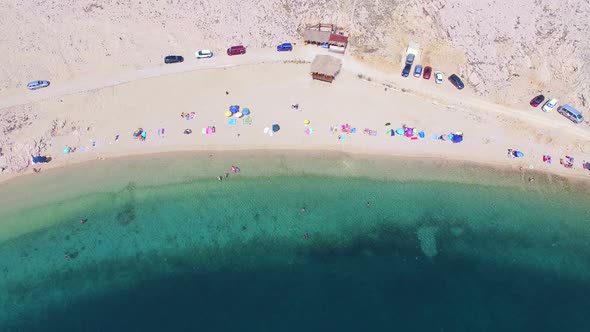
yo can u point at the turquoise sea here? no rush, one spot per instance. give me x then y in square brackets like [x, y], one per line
[167, 247]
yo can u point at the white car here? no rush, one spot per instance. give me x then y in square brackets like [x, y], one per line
[37, 85]
[549, 105]
[203, 54]
[438, 77]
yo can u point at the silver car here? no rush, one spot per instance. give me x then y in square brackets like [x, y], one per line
[418, 71]
[37, 85]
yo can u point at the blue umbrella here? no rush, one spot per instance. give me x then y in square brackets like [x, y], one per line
[246, 111]
[518, 154]
[275, 127]
[399, 131]
[234, 109]
[457, 139]
[421, 134]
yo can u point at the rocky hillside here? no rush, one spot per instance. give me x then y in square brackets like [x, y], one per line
[507, 50]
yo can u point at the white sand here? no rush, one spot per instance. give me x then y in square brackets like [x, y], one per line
[46, 121]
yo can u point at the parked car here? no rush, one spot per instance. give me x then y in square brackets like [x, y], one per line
[406, 70]
[418, 71]
[549, 105]
[173, 59]
[537, 100]
[285, 47]
[438, 77]
[37, 85]
[235, 50]
[203, 54]
[410, 59]
[570, 113]
[456, 81]
[427, 72]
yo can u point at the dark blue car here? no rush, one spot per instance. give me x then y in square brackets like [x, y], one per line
[406, 70]
[285, 47]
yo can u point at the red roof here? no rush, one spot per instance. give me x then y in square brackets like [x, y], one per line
[335, 38]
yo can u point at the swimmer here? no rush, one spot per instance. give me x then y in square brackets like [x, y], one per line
[67, 257]
[219, 178]
[226, 175]
[306, 236]
[368, 204]
[237, 169]
[303, 210]
[233, 169]
[83, 221]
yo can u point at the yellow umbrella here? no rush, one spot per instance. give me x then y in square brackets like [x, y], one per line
[306, 122]
[228, 114]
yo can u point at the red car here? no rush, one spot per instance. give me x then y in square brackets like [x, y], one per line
[235, 50]
[537, 100]
[427, 72]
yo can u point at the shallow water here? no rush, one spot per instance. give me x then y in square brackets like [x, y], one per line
[167, 247]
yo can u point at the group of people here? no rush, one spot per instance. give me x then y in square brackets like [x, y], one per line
[234, 169]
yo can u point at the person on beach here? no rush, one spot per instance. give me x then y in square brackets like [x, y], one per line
[237, 169]
[233, 169]
[219, 178]
[226, 93]
[226, 175]
[36, 170]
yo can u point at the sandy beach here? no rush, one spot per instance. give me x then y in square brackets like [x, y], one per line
[96, 120]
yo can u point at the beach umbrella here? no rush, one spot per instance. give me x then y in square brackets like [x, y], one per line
[275, 128]
[246, 111]
[306, 122]
[518, 154]
[399, 131]
[234, 108]
[238, 114]
[457, 138]
[450, 137]
[228, 113]
[421, 134]
[390, 132]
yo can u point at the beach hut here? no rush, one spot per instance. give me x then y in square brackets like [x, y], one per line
[325, 68]
[316, 37]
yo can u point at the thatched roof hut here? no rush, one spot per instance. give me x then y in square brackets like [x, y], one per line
[325, 67]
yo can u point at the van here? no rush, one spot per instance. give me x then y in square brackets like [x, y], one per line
[571, 113]
[235, 50]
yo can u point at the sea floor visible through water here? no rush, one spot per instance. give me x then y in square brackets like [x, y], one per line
[382, 244]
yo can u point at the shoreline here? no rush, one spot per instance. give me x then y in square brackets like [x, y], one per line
[517, 168]
[453, 170]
